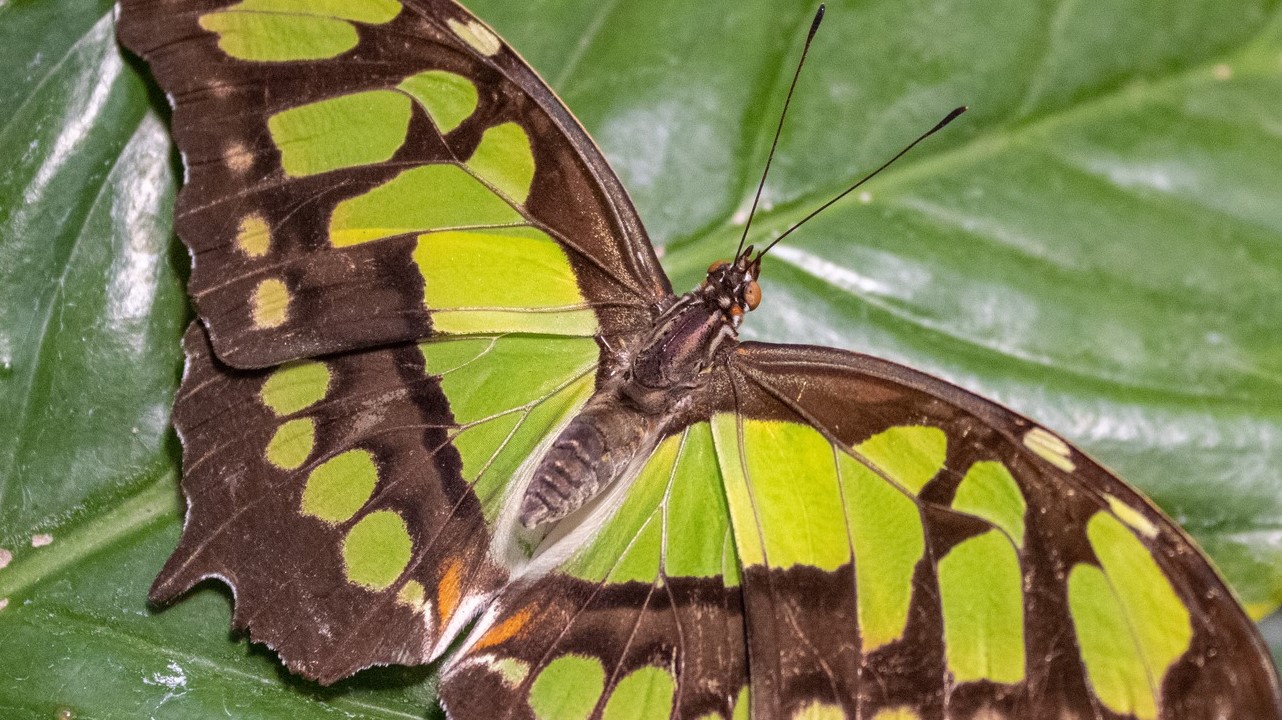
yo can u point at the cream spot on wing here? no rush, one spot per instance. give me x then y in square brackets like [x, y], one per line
[1222, 72]
[4, 603]
[239, 158]
[1132, 517]
[477, 35]
[1050, 448]
[270, 304]
[41, 540]
[6, 557]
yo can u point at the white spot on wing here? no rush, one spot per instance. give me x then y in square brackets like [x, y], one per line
[239, 158]
[6, 557]
[41, 540]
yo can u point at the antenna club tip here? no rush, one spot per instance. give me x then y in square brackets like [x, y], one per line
[819, 17]
[949, 118]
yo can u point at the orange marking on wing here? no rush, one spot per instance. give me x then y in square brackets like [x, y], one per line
[450, 589]
[505, 630]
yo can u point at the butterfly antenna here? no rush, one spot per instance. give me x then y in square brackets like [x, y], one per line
[814, 27]
[939, 126]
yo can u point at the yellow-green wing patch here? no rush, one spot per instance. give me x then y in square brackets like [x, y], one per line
[1131, 625]
[501, 280]
[568, 688]
[447, 97]
[885, 524]
[288, 30]
[783, 491]
[990, 492]
[358, 129]
[505, 160]
[982, 597]
[377, 549]
[419, 200]
[644, 694]
[339, 487]
[797, 500]
[507, 393]
[295, 386]
[673, 520]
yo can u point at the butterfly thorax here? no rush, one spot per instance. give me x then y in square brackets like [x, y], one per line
[627, 416]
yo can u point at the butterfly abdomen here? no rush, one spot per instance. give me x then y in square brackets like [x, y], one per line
[625, 419]
[596, 447]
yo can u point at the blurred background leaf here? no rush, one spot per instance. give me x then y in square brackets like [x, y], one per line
[1098, 244]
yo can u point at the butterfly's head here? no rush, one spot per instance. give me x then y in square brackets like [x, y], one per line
[733, 285]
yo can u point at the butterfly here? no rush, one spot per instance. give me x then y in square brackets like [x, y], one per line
[442, 394]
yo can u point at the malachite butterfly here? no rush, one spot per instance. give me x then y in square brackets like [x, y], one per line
[442, 399]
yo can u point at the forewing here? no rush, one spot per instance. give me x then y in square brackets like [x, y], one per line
[913, 551]
[349, 501]
[371, 171]
[642, 618]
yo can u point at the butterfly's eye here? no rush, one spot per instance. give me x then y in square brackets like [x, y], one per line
[752, 294]
[717, 266]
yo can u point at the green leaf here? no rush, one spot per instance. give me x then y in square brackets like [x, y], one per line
[1097, 244]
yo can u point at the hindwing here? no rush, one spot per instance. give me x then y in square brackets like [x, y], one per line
[350, 500]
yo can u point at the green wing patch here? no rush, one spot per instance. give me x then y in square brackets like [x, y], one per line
[345, 131]
[506, 394]
[501, 280]
[1132, 625]
[288, 30]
